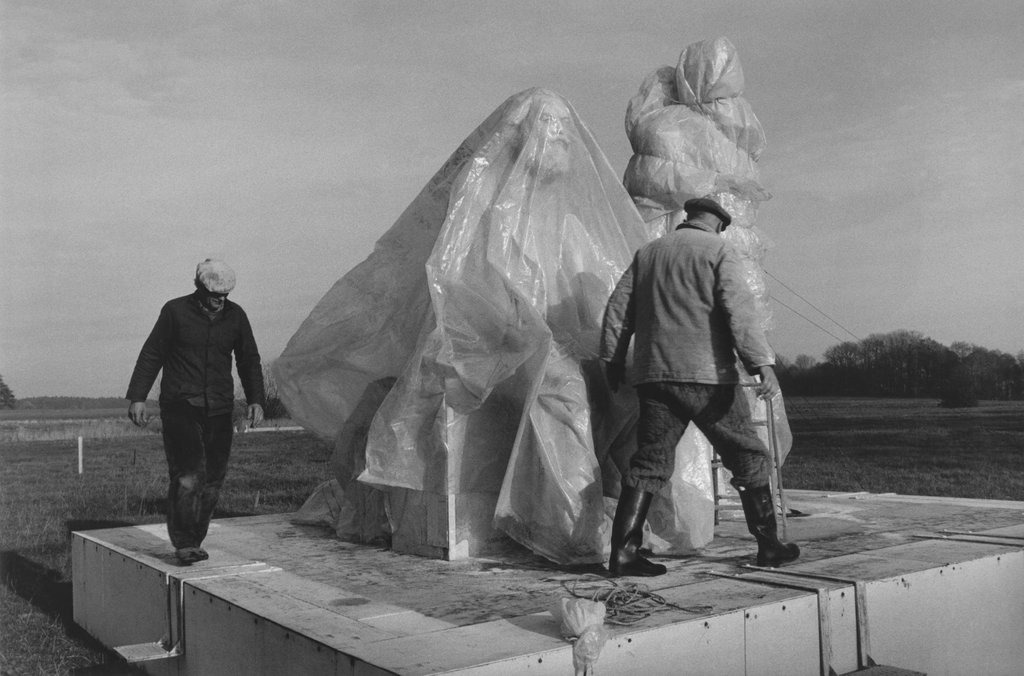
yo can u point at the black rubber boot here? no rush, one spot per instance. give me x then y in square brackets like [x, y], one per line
[628, 535]
[759, 511]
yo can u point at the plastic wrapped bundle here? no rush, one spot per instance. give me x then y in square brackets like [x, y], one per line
[694, 135]
[709, 79]
[460, 357]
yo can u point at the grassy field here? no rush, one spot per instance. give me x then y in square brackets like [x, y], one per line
[908, 446]
[900, 446]
[62, 424]
[43, 498]
[22, 414]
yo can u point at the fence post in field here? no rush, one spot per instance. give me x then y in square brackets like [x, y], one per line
[79, 455]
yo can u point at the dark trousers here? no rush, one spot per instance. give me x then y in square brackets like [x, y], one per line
[197, 448]
[719, 411]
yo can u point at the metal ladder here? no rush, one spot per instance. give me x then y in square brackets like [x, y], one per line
[774, 462]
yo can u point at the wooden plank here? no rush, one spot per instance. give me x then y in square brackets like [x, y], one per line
[1012, 531]
[723, 595]
[875, 565]
[145, 652]
[948, 550]
[414, 517]
[393, 619]
[882, 670]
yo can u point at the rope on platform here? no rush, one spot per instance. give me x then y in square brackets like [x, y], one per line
[626, 603]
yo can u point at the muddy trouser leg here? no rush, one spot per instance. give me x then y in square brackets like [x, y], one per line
[217, 436]
[197, 449]
[726, 422]
[662, 421]
[183, 446]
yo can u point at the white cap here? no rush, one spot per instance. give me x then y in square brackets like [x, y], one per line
[215, 276]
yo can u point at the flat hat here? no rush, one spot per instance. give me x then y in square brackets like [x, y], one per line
[706, 204]
[215, 276]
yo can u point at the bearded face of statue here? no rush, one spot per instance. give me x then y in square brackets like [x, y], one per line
[555, 133]
[556, 129]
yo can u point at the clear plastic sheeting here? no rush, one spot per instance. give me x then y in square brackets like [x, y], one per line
[460, 357]
[692, 132]
[686, 508]
[582, 622]
[694, 135]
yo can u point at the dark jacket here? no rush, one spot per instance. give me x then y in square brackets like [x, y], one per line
[194, 352]
[686, 299]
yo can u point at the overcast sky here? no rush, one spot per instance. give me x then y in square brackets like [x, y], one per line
[139, 137]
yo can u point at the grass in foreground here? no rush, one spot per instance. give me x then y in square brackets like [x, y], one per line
[43, 498]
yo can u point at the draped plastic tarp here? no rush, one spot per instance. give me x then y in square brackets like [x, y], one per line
[694, 135]
[460, 356]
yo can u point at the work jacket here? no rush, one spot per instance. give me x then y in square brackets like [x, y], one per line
[194, 350]
[686, 300]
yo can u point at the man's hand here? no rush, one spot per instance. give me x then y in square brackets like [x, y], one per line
[255, 415]
[137, 413]
[616, 374]
[769, 385]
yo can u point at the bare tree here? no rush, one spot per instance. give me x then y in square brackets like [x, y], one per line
[7, 398]
[804, 362]
[274, 409]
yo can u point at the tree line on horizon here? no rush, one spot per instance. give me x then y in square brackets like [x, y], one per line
[274, 406]
[901, 364]
[907, 364]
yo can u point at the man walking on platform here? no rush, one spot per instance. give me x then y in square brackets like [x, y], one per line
[192, 342]
[686, 302]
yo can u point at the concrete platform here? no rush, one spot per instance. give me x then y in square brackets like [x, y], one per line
[929, 585]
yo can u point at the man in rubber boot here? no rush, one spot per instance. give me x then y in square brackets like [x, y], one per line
[192, 342]
[685, 300]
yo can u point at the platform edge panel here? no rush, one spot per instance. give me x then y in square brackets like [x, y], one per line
[938, 606]
[836, 630]
[223, 638]
[125, 598]
[284, 611]
[935, 582]
[246, 643]
[782, 637]
[960, 618]
[251, 621]
[100, 576]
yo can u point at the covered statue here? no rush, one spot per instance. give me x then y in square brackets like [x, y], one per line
[693, 134]
[459, 359]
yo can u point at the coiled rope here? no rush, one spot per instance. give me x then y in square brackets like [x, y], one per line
[625, 603]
